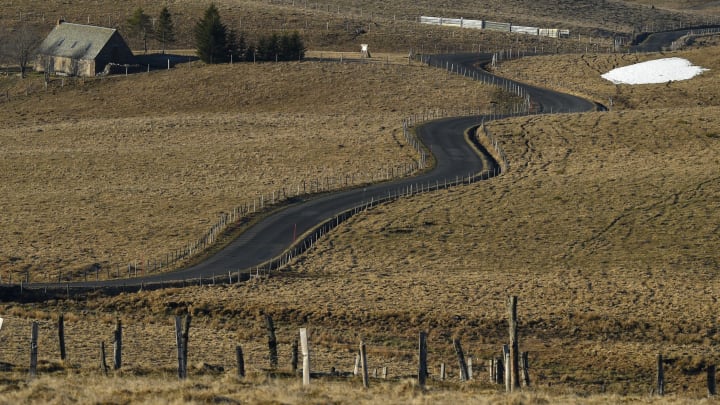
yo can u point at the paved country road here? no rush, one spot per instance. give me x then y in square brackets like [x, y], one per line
[273, 235]
[655, 42]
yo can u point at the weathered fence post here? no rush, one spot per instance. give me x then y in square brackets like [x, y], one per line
[384, 372]
[491, 370]
[294, 359]
[525, 369]
[179, 342]
[442, 371]
[660, 376]
[499, 370]
[117, 345]
[186, 337]
[356, 369]
[422, 364]
[103, 363]
[306, 356]
[461, 360]
[711, 381]
[514, 345]
[470, 368]
[363, 359]
[33, 349]
[506, 363]
[182, 334]
[61, 336]
[272, 341]
[240, 361]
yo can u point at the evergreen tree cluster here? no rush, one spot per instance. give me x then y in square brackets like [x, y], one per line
[216, 43]
[285, 47]
[140, 26]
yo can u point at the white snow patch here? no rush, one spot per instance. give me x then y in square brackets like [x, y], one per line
[654, 71]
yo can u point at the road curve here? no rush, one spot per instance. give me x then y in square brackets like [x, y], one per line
[270, 237]
[658, 41]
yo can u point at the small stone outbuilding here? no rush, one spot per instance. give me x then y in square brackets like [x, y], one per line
[81, 50]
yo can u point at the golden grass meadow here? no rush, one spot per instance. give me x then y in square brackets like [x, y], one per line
[605, 227]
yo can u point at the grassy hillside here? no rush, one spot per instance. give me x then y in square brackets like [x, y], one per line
[131, 168]
[582, 76]
[387, 26]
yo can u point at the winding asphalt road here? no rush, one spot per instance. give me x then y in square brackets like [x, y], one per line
[655, 42]
[270, 237]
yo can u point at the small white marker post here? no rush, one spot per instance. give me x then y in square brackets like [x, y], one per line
[364, 52]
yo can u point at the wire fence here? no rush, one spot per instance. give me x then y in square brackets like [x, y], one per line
[262, 204]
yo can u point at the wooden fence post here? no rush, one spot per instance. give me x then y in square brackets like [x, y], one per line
[384, 372]
[117, 345]
[294, 359]
[442, 371]
[185, 338]
[272, 341]
[306, 356]
[514, 345]
[33, 349]
[711, 381]
[499, 370]
[422, 364]
[61, 336]
[103, 363]
[363, 359]
[470, 368]
[461, 360]
[491, 370]
[179, 342]
[240, 361]
[356, 369]
[182, 335]
[506, 363]
[525, 369]
[660, 376]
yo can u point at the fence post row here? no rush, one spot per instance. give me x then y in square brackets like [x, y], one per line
[226, 218]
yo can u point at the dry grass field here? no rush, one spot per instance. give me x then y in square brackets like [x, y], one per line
[581, 76]
[605, 227]
[388, 26]
[131, 168]
[228, 390]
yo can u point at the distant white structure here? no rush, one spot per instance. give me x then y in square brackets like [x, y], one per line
[364, 52]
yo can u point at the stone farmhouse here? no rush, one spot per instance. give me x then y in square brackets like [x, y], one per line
[81, 50]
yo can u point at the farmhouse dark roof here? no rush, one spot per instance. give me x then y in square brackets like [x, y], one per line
[76, 41]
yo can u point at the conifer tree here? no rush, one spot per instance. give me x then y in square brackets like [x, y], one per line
[140, 26]
[165, 30]
[211, 37]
